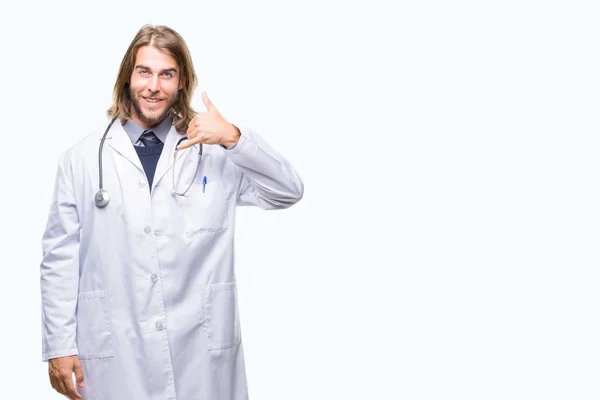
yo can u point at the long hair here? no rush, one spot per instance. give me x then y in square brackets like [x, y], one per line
[165, 39]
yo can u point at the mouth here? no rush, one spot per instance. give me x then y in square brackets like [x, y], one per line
[151, 100]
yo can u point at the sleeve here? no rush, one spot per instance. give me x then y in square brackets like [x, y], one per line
[268, 180]
[59, 269]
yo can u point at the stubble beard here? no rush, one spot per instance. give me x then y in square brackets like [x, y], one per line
[146, 119]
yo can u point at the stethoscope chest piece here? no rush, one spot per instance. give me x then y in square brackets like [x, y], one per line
[101, 198]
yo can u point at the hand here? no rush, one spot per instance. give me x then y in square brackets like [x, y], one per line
[210, 128]
[61, 370]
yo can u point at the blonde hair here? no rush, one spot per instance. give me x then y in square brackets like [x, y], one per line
[165, 39]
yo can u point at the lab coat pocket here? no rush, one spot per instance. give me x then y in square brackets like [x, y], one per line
[221, 319]
[94, 332]
[204, 208]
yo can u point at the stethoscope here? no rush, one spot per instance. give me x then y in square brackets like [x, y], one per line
[102, 197]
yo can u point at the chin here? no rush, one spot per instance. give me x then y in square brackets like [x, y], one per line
[154, 115]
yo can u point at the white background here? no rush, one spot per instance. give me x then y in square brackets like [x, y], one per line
[447, 243]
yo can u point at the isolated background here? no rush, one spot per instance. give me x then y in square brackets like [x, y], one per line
[447, 243]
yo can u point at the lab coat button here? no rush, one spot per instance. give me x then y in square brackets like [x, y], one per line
[154, 277]
[159, 326]
[142, 184]
[147, 229]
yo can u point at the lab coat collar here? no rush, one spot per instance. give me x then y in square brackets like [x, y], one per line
[118, 139]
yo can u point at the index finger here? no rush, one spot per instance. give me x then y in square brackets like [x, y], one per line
[69, 387]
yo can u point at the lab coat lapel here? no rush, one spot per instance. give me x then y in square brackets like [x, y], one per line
[118, 139]
[165, 162]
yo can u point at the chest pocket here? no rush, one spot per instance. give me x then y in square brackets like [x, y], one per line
[204, 207]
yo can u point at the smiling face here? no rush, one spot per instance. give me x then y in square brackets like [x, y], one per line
[153, 87]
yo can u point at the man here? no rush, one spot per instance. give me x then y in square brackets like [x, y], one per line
[138, 285]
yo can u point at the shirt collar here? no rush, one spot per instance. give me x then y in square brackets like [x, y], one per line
[134, 130]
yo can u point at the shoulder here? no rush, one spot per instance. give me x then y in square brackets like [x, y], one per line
[91, 140]
[85, 147]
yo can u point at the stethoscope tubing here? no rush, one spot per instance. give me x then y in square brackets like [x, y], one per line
[102, 197]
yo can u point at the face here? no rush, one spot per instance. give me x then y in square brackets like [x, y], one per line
[154, 86]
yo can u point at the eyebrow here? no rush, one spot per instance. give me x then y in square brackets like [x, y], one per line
[150, 69]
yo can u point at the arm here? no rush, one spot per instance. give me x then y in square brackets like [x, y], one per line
[268, 179]
[59, 277]
[59, 269]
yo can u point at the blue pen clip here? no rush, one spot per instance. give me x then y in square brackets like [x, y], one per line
[203, 184]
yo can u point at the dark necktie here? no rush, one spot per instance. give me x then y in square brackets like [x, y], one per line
[149, 138]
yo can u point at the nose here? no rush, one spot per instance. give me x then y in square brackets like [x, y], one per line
[154, 84]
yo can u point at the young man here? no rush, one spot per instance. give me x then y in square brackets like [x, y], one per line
[137, 277]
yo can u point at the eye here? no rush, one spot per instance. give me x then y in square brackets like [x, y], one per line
[168, 74]
[143, 72]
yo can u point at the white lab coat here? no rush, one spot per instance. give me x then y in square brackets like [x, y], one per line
[144, 290]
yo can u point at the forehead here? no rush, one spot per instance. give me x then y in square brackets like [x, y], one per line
[154, 58]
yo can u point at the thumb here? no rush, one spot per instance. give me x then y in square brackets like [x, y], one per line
[78, 372]
[209, 105]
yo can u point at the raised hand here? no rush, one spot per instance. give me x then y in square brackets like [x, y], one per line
[210, 128]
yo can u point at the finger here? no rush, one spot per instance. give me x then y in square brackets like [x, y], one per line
[188, 143]
[59, 386]
[70, 388]
[53, 383]
[193, 125]
[209, 105]
[57, 382]
[78, 373]
[192, 134]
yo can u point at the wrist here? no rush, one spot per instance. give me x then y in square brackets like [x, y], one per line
[232, 137]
